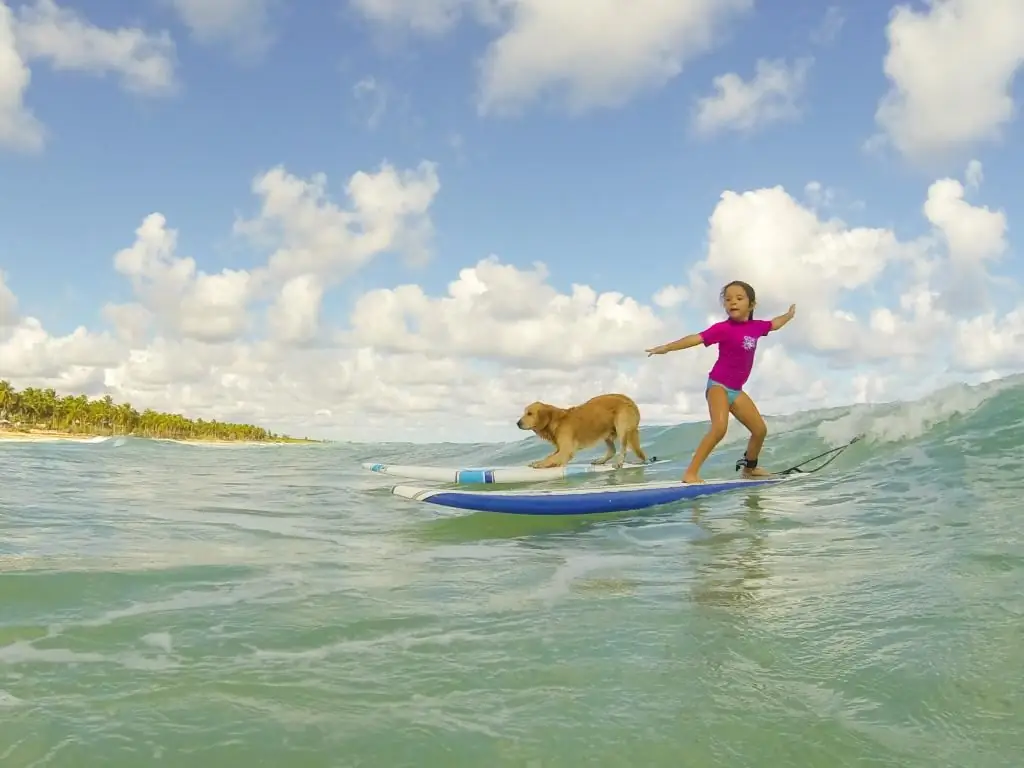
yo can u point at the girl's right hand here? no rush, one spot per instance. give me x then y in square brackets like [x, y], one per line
[654, 351]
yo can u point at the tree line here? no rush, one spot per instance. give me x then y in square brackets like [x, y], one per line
[33, 408]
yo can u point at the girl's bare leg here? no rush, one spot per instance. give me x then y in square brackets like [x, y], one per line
[718, 409]
[746, 413]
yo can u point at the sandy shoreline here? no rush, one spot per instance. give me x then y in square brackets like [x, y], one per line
[49, 436]
[45, 436]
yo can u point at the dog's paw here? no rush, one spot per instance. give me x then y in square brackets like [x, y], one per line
[618, 463]
[599, 462]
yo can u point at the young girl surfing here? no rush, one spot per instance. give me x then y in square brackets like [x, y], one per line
[736, 338]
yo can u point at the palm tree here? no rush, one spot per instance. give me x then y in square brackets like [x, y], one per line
[8, 397]
[33, 408]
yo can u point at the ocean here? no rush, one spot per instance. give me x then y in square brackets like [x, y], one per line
[187, 605]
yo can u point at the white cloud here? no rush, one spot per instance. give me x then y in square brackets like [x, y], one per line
[131, 322]
[310, 234]
[974, 175]
[29, 351]
[772, 95]
[294, 317]
[67, 41]
[243, 24]
[429, 17]
[369, 91]
[45, 31]
[975, 238]
[670, 296]
[951, 69]
[817, 194]
[991, 342]
[544, 48]
[8, 303]
[19, 127]
[496, 311]
[622, 49]
[187, 301]
[830, 26]
[820, 197]
[256, 345]
[313, 241]
[973, 234]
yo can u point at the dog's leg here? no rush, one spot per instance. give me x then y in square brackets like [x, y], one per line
[610, 446]
[634, 443]
[545, 462]
[625, 423]
[556, 459]
[562, 455]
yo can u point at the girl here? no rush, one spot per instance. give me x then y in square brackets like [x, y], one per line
[736, 338]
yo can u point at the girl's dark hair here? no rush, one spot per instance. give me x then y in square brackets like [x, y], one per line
[747, 289]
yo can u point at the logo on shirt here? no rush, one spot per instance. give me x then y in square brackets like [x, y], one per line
[749, 342]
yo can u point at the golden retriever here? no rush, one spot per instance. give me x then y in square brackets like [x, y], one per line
[604, 417]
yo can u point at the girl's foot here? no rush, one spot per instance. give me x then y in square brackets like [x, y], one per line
[756, 472]
[692, 478]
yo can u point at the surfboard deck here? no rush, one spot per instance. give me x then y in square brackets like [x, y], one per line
[578, 501]
[494, 475]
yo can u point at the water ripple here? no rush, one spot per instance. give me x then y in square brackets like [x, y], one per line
[268, 607]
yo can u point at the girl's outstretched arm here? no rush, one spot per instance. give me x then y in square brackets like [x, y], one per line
[781, 320]
[693, 340]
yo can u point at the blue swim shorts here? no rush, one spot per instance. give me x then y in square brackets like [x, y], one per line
[731, 394]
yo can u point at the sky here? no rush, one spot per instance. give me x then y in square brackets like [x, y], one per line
[379, 220]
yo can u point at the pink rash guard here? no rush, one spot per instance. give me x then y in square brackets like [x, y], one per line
[737, 343]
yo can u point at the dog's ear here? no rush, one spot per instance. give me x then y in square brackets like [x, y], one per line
[542, 414]
[543, 428]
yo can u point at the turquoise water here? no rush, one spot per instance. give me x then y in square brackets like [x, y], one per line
[181, 605]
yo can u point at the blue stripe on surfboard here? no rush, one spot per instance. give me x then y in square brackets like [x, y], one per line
[583, 502]
[474, 476]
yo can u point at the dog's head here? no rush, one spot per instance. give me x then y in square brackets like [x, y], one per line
[536, 416]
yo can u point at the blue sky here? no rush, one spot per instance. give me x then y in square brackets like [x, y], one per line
[581, 193]
[617, 198]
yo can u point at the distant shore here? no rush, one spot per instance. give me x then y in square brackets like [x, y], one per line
[22, 435]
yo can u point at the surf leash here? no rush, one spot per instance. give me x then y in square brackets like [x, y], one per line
[796, 468]
[833, 453]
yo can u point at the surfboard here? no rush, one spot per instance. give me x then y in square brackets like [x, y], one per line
[492, 475]
[576, 501]
[610, 498]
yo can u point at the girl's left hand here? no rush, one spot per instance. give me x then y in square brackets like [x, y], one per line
[792, 310]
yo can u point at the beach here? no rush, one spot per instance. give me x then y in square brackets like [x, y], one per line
[50, 436]
[46, 436]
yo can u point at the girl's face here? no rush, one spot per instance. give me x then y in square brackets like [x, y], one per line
[737, 303]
